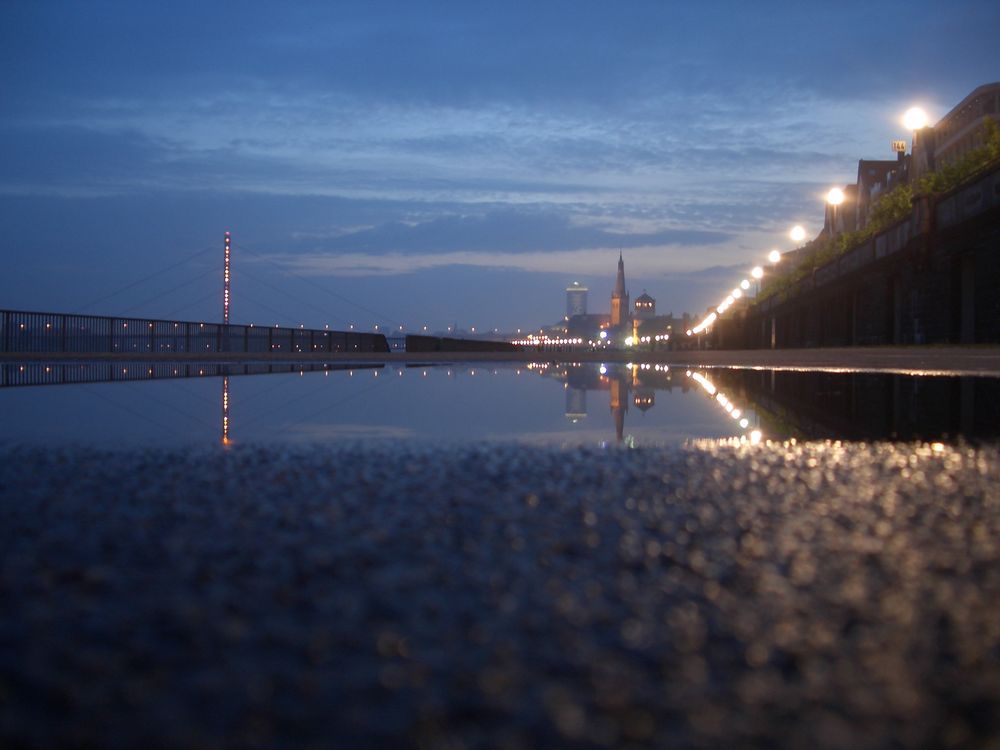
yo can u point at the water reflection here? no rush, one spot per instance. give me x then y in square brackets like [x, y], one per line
[635, 386]
[626, 404]
[772, 404]
[866, 406]
[225, 410]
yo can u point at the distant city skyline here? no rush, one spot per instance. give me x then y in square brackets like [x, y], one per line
[400, 164]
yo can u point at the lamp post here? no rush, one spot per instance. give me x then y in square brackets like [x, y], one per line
[835, 197]
[915, 120]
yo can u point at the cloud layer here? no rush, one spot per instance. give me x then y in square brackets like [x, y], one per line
[438, 144]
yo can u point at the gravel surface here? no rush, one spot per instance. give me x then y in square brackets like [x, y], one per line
[388, 595]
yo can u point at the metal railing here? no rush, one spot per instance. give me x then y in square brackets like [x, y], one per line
[36, 332]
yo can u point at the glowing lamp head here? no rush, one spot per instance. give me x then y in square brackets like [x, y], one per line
[757, 272]
[835, 197]
[774, 256]
[745, 284]
[915, 119]
[737, 293]
[797, 233]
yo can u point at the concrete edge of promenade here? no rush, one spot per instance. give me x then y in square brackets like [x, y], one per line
[982, 360]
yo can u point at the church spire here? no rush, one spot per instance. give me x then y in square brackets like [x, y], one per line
[619, 291]
[619, 297]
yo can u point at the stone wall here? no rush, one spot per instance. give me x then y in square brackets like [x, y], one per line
[933, 278]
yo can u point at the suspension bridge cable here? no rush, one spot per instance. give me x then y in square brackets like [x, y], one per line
[267, 307]
[187, 305]
[133, 412]
[347, 399]
[281, 406]
[244, 272]
[136, 283]
[176, 384]
[183, 284]
[171, 407]
[308, 280]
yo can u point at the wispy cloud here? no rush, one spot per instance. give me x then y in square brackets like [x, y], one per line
[642, 261]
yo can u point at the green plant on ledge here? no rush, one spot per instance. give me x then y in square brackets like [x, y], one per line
[892, 208]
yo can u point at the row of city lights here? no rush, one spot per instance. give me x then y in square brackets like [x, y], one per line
[797, 233]
[533, 340]
[636, 340]
[913, 119]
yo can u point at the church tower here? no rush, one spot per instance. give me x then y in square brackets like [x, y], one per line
[619, 297]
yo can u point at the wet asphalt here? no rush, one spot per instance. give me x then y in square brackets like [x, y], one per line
[393, 595]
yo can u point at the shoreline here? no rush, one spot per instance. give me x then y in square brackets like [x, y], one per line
[983, 360]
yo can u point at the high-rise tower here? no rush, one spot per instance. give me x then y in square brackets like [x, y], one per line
[619, 297]
[576, 300]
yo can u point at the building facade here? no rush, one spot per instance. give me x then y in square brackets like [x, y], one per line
[645, 307]
[958, 132]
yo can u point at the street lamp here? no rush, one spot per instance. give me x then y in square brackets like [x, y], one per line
[797, 233]
[835, 197]
[758, 273]
[774, 256]
[915, 119]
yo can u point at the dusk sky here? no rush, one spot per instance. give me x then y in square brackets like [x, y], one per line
[442, 163]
